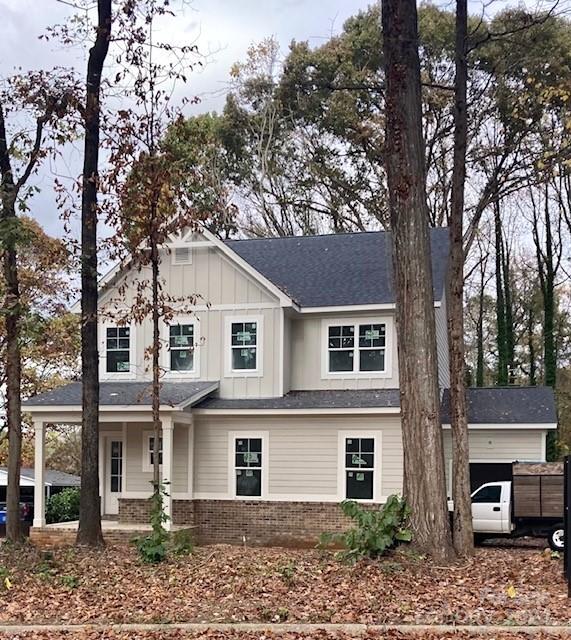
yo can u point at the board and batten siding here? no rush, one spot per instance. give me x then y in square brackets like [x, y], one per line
[223, 290]
[302, 457]
[308, 354]
[442, 344]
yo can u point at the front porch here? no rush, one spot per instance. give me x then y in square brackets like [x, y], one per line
[114, 532]
[125, 456]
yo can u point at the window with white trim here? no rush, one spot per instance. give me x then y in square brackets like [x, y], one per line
[118, 349]
[248, 466]
[359, 468]
[181, 347]
[148, 451]
[356, 348]
[244, 346]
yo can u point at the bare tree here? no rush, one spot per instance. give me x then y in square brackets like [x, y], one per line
[462, 532]
[89, 531]
[424, 478]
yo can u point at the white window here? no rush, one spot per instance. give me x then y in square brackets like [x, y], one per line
[248, 462]
[118, 349]
[181, 347]
[148, 451]
[356, 348]
[359, 475]
[244, 346]
[248, 467]
[359, 468]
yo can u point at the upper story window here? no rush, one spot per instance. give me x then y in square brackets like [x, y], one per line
[118, 349]
[181, 347]
[356, 348]
[244, 346]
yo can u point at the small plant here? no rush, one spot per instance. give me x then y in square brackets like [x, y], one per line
[63, 506]
[287, 572]
[375, 531]
[182, 543]
[71, 582]
[46, 567]
[153, 548]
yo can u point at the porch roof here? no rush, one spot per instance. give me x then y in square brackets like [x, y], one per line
[126, 394]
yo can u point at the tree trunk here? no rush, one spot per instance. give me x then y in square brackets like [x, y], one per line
[501, 338]
[89, 531]
[424, 479]
[549, 348]
[155, 366]
[462, 533]
[480, 337]
[531, 345]
[11, 311]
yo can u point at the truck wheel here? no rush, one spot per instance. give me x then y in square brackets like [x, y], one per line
[556, 538]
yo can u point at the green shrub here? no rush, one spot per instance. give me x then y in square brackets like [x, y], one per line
[375, 531]
[153, 548]
[182, 543]
[63, 506]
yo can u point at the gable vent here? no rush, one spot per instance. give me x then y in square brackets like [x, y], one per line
[182, 255]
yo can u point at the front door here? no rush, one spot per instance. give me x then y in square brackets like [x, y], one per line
[113, 474]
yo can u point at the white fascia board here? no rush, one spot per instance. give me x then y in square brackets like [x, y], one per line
[297, 412]
[538, 426]
[103, 408]
[285, 300]
[349, 308]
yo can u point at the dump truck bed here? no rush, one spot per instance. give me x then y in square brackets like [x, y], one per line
[538, 490]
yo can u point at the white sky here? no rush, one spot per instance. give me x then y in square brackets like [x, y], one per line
[222, 30]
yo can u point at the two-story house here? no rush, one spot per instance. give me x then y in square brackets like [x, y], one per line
[280, 394]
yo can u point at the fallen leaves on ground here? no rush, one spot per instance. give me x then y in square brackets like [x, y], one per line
[268, 635]
[233, 584]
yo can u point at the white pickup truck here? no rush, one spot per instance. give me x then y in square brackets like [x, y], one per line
[530, 504]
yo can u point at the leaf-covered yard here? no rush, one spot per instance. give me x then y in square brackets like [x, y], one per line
[232, 584]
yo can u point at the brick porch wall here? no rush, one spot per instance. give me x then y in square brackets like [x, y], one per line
[259, 522]
[139, 511]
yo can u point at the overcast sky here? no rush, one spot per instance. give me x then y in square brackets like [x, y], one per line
[222, 30]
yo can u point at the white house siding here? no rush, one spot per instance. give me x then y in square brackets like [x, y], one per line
[499, 446]
[442, 344]
[302, 458]
[137, 480]
[308, 353]
[224, 290]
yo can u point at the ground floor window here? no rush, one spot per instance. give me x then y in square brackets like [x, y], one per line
[359, 468]
[148, 451]
[248, 466]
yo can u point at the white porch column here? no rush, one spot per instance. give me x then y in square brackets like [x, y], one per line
[168, 428]
[39, 475]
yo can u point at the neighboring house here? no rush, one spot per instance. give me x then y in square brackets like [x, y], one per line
[280, 396]
[54, 482]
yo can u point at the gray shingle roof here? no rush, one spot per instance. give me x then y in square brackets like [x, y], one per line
[125, 394]
[327, 399]
[497, 405]
[506, 405]
[335, 270]
[51, 477]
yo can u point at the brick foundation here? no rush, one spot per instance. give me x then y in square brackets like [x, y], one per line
[259, 522]
[53, 537]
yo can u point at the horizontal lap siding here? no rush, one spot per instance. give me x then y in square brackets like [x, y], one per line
[303, 452]
[139, 480]
[499, 446]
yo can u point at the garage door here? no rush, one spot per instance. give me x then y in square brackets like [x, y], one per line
[482, 472]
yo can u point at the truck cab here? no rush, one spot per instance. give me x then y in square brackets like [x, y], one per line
[491, 508]
[529, 507]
